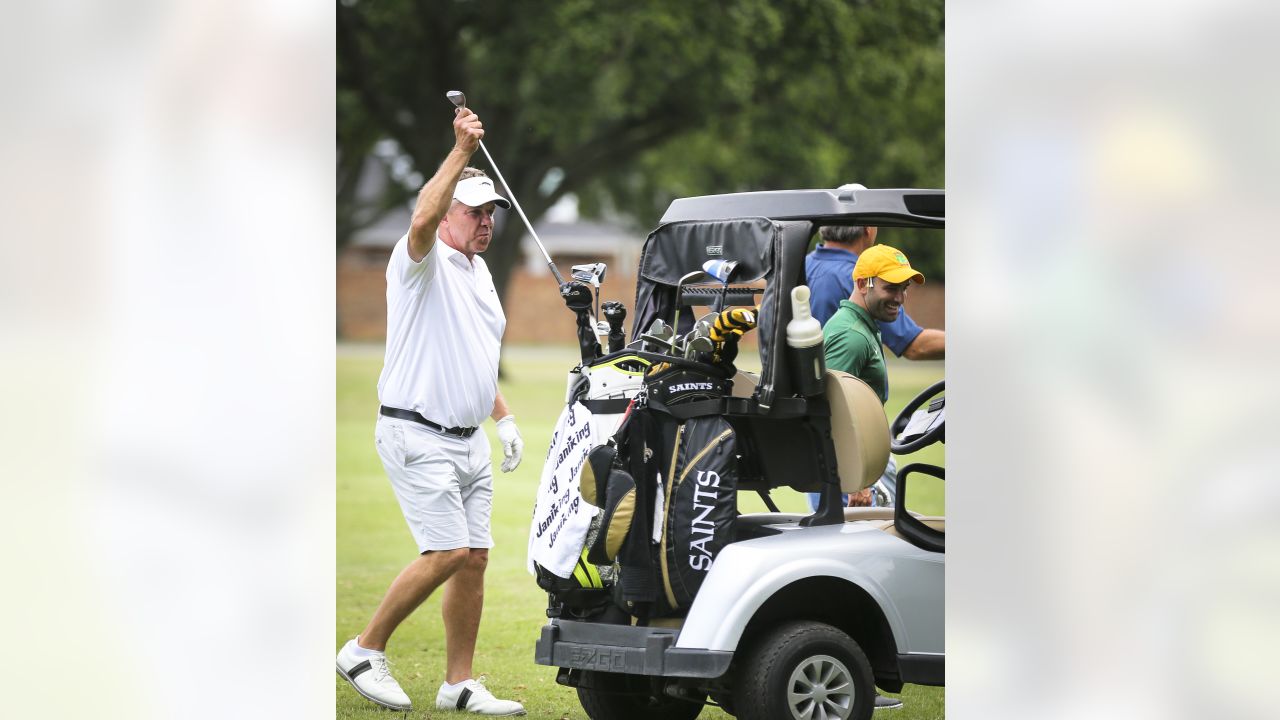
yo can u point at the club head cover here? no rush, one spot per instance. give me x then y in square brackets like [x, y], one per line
[577, 296]
[614, 311]
[594, 475]
[735, 321]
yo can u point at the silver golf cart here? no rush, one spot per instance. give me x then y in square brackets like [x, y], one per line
[768, 615]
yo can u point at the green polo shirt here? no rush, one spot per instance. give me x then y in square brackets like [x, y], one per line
[853, 345]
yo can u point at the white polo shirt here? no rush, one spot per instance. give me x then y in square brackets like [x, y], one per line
[444, 331]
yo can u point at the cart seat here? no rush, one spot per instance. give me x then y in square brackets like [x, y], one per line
[859, 430]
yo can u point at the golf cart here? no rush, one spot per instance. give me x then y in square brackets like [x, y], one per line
[678, 599]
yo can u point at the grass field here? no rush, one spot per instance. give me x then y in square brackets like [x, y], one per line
[373, 543]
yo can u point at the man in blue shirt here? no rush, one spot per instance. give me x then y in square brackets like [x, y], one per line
[828, 272]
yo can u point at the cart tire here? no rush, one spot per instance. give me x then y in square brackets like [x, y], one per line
[800, 664]
[621, 706]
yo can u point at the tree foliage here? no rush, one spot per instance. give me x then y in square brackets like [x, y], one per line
[629, 105]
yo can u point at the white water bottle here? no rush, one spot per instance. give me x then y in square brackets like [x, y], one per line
[804, 338]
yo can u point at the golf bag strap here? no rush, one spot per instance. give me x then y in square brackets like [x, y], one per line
[608, 407]
[637, 583]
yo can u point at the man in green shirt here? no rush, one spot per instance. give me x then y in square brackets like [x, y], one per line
[852, 335]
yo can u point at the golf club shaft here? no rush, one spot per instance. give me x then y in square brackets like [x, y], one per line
[528, 225]
[459, 101]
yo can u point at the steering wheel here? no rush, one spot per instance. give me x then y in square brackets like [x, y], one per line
[917, 427]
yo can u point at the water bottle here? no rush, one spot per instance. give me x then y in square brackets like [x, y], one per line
[806, 349]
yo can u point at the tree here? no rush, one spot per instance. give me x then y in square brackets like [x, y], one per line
[629, 105]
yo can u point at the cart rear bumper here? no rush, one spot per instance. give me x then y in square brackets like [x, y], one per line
[625, 649]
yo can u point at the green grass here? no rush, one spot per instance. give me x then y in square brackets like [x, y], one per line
[373, 543]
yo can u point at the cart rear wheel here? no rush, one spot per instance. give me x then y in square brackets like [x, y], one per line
[621, 706]
[805, 670]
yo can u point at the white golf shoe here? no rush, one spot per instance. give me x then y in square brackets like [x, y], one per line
[371, 677]
[473, 696]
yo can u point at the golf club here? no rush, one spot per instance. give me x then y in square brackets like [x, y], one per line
[593, 274]
[659, 334]
[590, 273]
[697, 345]
[702, 328]
[722, 270]
[459, 101]
[615, 313]
[577, 297]
[659, 344]
[675, 321]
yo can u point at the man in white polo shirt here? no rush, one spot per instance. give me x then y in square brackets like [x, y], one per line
[439, 381]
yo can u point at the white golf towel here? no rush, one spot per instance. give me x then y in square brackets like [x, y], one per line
[560, 516]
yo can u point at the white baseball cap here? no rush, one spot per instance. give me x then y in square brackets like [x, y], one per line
[476, 191]
[852, 186]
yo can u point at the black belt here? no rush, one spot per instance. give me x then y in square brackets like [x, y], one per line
[462, 432]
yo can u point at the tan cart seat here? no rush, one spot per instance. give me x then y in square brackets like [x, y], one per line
[859, 430]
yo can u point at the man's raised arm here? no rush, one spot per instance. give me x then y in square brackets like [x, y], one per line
[930, 344]
[435, 197]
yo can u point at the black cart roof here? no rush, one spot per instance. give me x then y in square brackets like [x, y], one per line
[881, 207]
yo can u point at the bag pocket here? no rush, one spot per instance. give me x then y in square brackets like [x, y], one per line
[700, 507]
[617, 512]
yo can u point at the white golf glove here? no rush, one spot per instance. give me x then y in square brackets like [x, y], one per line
[512, 445]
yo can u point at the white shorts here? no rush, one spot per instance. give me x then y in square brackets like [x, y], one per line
[444, 483]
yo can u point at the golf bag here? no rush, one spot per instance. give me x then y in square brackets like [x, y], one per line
[664, 482]
[667, 489]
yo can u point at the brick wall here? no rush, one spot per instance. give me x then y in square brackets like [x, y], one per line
[362, 293]
[926, 304]
[535, 313]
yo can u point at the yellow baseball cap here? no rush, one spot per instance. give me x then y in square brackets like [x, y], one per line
[885, 262]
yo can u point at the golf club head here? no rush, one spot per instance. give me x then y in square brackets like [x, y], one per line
[703, 327]
[457, 97]
[698, 345]
[659, 334]
[675, 319]
[722, 270]
[660, 342]
[591, 273]
[690, 276]
[660, 329]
